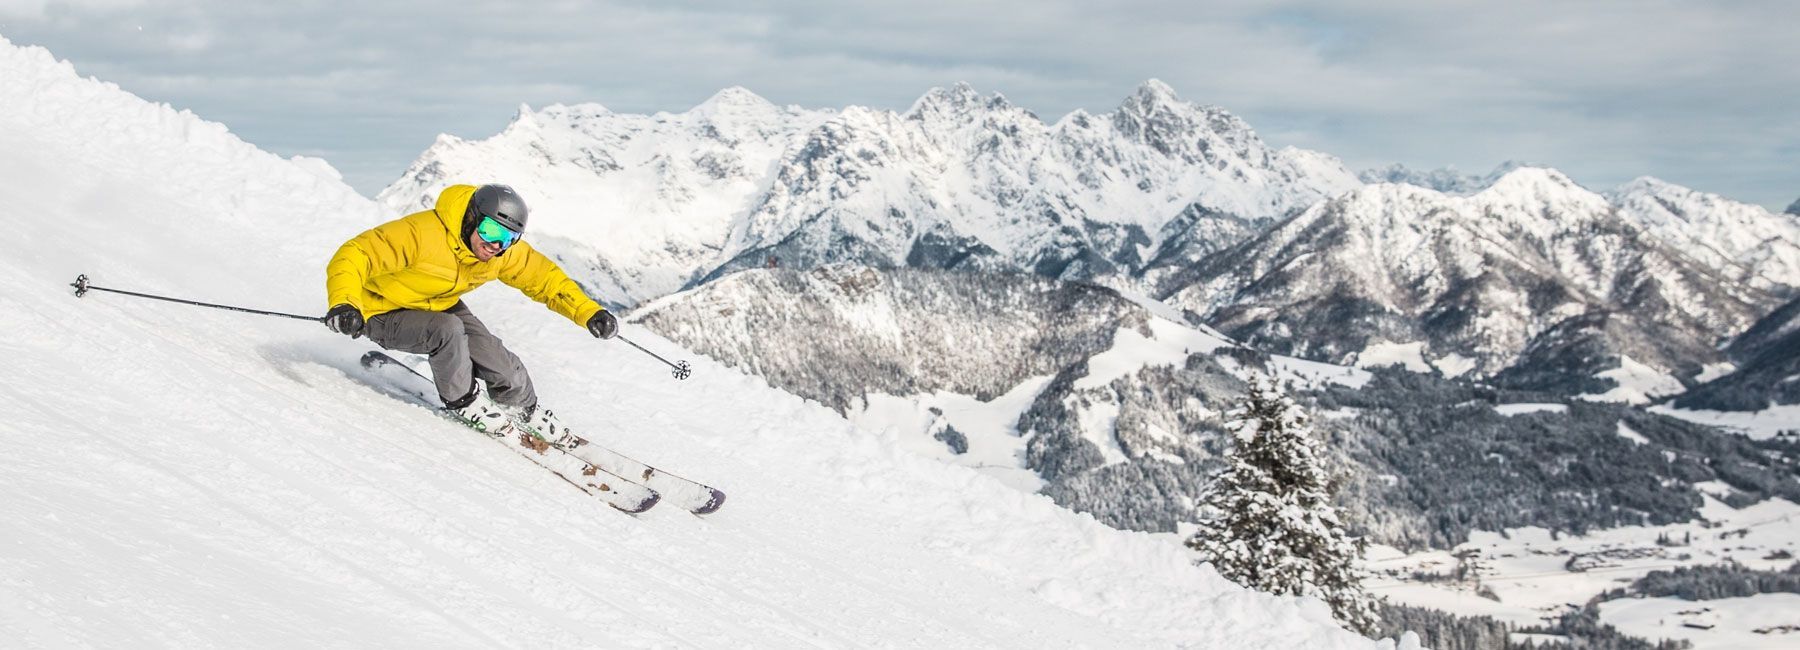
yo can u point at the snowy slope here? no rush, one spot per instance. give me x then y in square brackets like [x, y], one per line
[196, 478]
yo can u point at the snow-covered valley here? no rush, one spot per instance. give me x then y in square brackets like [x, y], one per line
[1530, 576]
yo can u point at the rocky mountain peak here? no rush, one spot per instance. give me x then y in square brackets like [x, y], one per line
[1794, 208]
[1186, 132]
[1542, 199]
[1535, 180]
[954, 100]
[1155, 100]
[736, 100]
[735, 115]
[557, 117]
[736, 96]
[1647, 185]
[962, 104]
[529, 121]
[1153, 92]
[1153, 103]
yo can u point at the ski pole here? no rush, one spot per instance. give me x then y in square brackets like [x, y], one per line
[82, 287]
[682, 370]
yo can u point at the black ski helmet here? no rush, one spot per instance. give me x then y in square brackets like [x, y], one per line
[499, 202]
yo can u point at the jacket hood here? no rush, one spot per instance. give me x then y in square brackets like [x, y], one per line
[452, 207]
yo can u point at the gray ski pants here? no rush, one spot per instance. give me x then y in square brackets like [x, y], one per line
[461, 349]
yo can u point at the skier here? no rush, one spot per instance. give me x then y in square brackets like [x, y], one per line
[401, 283]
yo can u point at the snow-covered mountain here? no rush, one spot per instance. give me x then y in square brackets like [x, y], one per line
[198, 478]
[962, 181]
[640, 202]
[1519, 269]
[958, 181]
[1448, 180]
[1535, 273]
[1744, 242]
[839, 333]
[1113, 406]
[1765, 367]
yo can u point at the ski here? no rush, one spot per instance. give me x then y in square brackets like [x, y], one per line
[688, 494]
[609, 487]
[696, 497]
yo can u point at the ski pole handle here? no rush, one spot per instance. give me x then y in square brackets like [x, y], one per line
[682, 370]
[82, 287]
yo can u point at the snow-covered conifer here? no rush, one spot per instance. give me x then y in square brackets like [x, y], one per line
[1267, 521]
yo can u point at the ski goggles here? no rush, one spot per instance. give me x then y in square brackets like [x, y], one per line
[492, 232]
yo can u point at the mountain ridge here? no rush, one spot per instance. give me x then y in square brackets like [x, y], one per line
[1477, 276]
[1144, 198]
[958, 180]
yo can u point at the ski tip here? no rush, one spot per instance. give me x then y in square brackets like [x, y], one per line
[712, 504]
[373, 358]
[646, 504]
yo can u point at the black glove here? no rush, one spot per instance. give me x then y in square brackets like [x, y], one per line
[345, 319]
[603, 325]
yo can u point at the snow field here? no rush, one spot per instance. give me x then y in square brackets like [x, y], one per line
[1751, 623]
[1411, 356]
[1523, 408]
[1528, 570]
[1381, 354]
[198, 478]
[1631, 434]
[1637, 383]
[995, 447]
[1759, 425]
[1169, 343]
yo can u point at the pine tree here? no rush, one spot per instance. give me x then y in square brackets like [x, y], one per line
[1267, 522]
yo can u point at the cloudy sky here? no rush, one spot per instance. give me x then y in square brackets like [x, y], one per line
[1704, 94]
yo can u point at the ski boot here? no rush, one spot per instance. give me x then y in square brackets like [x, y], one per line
[542, 424]
[479, 412]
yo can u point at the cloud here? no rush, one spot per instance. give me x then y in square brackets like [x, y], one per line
[1696, 93]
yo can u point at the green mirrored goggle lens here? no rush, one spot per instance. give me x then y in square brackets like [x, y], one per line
[491, 231]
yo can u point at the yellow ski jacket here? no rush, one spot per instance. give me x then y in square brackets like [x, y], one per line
[419, 261]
